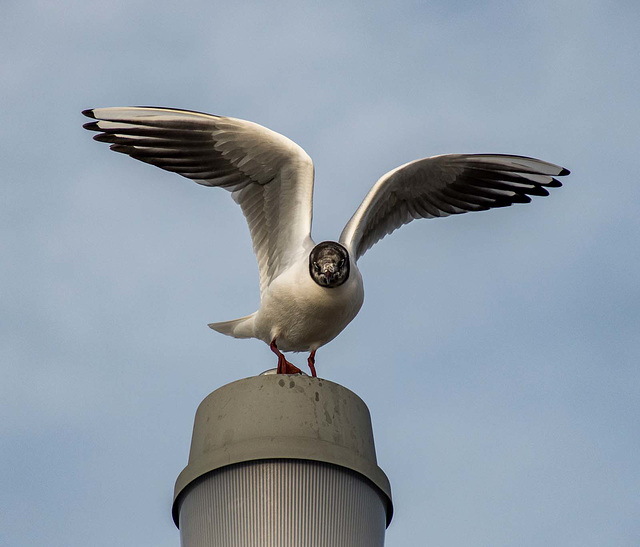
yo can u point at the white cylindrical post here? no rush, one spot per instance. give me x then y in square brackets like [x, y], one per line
[282, 460]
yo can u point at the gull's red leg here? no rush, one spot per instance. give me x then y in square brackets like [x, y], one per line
[284, 366]
[312, 363]
[275, 350]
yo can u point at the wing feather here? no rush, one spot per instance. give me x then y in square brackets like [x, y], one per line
[446, 185]
[269, 176]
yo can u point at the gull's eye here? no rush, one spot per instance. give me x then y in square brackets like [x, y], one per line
[316, 267]
[341, 263]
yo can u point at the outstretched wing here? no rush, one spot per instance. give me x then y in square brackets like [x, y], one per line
[445, 185]
[269, 176]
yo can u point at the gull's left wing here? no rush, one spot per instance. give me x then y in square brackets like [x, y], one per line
[445, 185]
[269, 176]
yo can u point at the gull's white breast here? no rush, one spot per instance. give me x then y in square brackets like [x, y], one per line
[301, 315]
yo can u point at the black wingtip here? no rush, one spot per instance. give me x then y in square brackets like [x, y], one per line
[89, 113]
[563, 172]
[103, 137]
[91, 126]
[122, 149]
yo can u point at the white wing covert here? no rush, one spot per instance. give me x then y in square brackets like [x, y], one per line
[270, 176]
[445, 185]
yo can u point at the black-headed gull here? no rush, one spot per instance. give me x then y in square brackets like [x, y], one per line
[309, 293]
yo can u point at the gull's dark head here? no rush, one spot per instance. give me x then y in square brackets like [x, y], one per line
[329, 264]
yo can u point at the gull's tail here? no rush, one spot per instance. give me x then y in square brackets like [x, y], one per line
[238, 328]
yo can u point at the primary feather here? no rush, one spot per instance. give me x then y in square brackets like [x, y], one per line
[445, 185]
[270, 176]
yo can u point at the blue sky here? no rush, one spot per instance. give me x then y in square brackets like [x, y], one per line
[498, 352]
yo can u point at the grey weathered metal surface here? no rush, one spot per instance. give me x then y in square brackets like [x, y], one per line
[311, 427]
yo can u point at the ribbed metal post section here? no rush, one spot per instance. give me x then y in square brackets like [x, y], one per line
[282, 460]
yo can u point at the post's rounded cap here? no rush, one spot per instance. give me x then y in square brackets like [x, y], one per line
[282, 416]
